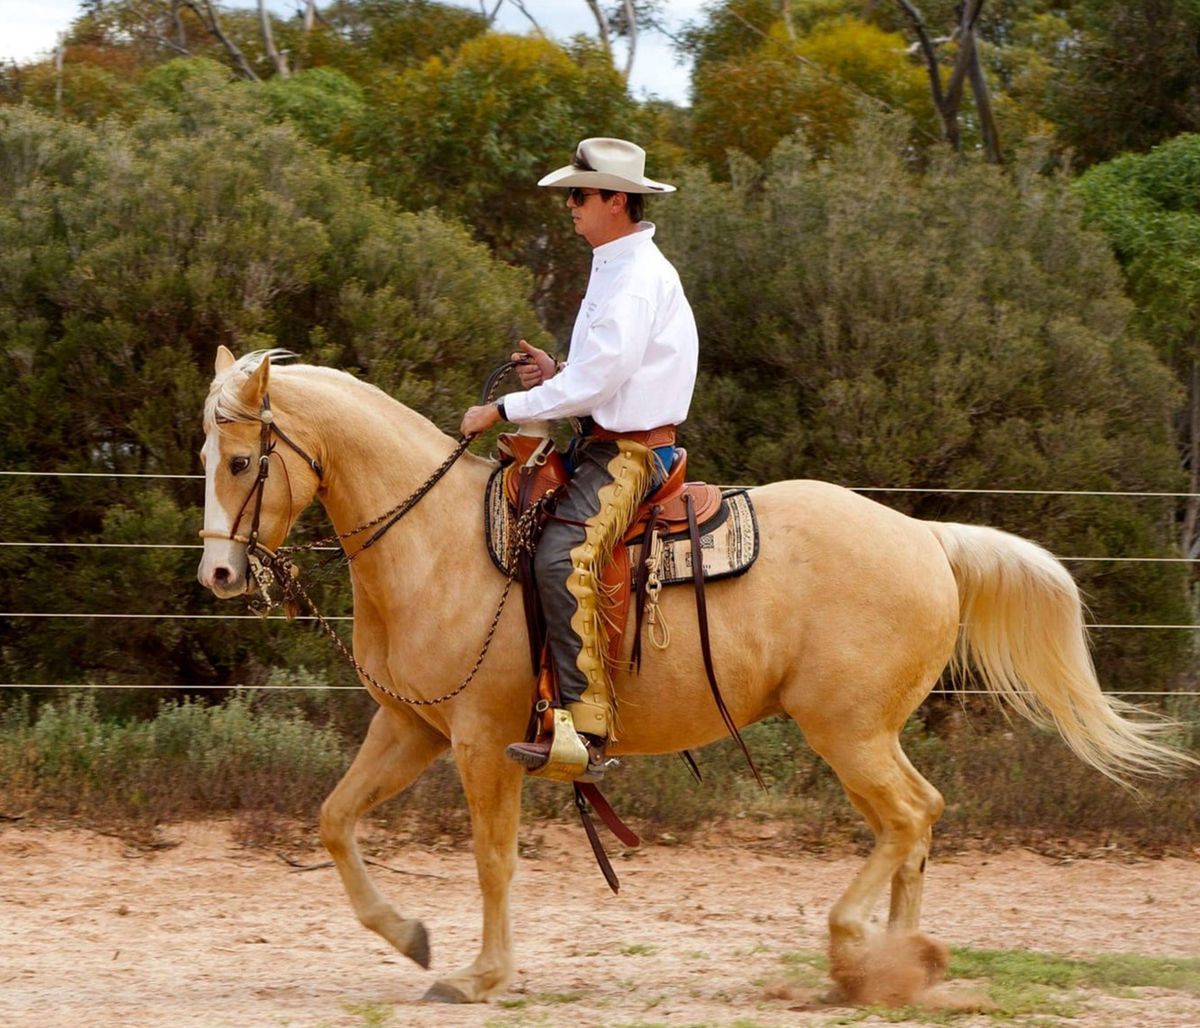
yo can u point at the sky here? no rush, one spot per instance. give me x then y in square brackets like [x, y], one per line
[29, 28]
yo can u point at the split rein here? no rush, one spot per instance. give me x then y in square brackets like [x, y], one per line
[277, 569]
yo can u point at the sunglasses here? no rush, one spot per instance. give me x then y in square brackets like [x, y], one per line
[578, 195]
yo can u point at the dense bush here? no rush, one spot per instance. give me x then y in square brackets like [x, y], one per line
[875, 325]
[129, 253]
[271, 758]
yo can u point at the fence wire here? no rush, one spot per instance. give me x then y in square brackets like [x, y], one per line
[36, 544]
[240, 687]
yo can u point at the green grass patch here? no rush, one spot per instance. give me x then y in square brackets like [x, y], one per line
[373, 1015]
[558, 997]
[1037, 988]
[805, 968]
[1108, 973]
[639, 949]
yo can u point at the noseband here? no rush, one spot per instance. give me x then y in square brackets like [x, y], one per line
[266, 448]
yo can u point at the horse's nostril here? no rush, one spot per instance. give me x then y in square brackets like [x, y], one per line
[222, 575]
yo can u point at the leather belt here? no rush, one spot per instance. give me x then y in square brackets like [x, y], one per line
[651, 438]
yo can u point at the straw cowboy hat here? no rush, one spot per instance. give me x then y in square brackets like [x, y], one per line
[616, 164]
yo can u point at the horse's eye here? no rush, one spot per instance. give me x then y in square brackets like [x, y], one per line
[238, 464]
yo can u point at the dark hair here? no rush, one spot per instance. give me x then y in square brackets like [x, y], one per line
[635, 203]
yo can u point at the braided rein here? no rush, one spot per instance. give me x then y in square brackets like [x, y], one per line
[277, 568]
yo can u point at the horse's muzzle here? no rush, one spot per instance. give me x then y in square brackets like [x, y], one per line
[225, 575]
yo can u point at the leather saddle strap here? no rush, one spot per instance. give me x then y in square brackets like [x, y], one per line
[705, 648]
[535, 621]
[692, 766]
[606, 868]
[609, 816]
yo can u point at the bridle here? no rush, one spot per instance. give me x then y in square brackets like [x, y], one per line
[276, 568]
[266, 449]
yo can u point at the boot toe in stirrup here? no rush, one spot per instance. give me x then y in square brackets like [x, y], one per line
[530, 755]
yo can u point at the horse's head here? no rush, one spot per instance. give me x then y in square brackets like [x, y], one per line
[254, 489]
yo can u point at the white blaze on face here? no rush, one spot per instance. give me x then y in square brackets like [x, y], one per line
[223, 566]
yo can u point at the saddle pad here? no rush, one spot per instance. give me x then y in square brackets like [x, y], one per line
[728, 539]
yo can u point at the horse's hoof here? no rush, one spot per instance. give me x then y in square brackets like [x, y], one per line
[418, 947]
[440, 992]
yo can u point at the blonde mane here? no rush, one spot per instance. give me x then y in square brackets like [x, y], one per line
[224, 402]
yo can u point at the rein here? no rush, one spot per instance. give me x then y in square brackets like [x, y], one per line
[277, 567]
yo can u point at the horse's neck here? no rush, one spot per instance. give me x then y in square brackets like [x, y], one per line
[377, 453]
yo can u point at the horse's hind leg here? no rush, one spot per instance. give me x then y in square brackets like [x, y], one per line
[398, 747]
[908, 883]
[493, 790]
[901, 807]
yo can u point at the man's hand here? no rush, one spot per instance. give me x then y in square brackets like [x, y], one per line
[535, 366]
[479, 419]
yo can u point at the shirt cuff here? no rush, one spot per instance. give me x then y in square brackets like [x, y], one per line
[513, 407]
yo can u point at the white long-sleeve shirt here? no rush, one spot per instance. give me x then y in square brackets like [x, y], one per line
[634, 348]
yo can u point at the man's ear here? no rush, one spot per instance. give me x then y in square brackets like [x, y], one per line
[255, 387]
[225, 359]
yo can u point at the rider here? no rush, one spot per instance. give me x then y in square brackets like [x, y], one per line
[627, 382]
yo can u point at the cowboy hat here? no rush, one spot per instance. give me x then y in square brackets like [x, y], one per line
[607, 164]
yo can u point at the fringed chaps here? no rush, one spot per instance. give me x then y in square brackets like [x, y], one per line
[632, 471]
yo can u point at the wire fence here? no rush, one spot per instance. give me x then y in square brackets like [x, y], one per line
[854, 488]
[92, 545]
[312, 687]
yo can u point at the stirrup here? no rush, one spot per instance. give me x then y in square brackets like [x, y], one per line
[568, 757]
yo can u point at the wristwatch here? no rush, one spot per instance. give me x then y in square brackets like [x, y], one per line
[500, 408]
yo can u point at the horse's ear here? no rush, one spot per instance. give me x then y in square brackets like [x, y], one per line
[225, 359]
[255, 387]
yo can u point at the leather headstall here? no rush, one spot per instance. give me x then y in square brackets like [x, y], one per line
[266, 449]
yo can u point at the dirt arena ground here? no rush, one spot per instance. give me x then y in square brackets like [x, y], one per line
[207, 933]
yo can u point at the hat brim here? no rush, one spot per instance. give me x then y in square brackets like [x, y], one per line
[565, 178]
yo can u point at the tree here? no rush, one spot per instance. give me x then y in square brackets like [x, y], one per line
[967, 68]
[1149, 207]
[372, 39]
[1131, 79]
[129, 253]
[479, 127]
[868, 324]
[818, 82]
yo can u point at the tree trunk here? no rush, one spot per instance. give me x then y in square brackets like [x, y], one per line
[209, 18]
[601, 27]
[785, 12]
[60, 53]
[310, 16]
[631, 32]
[983, 104]
[948, 100]
[268, 34]
[180, 28]
[949, 118]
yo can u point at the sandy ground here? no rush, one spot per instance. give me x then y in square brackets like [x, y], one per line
[97, 933]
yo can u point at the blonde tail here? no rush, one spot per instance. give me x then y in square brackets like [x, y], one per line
[1023, 633]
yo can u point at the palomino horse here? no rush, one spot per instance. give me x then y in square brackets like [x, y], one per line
[845, 623]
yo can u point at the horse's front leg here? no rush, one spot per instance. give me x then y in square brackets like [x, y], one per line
[398, 747]
[493, 789]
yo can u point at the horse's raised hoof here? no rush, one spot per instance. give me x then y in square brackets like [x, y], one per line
[418, 946]
[893, 969]
[440, 992]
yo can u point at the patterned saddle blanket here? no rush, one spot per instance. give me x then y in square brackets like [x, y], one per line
[728, 538]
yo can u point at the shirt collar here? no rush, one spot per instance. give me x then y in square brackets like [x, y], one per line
[626, 244]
